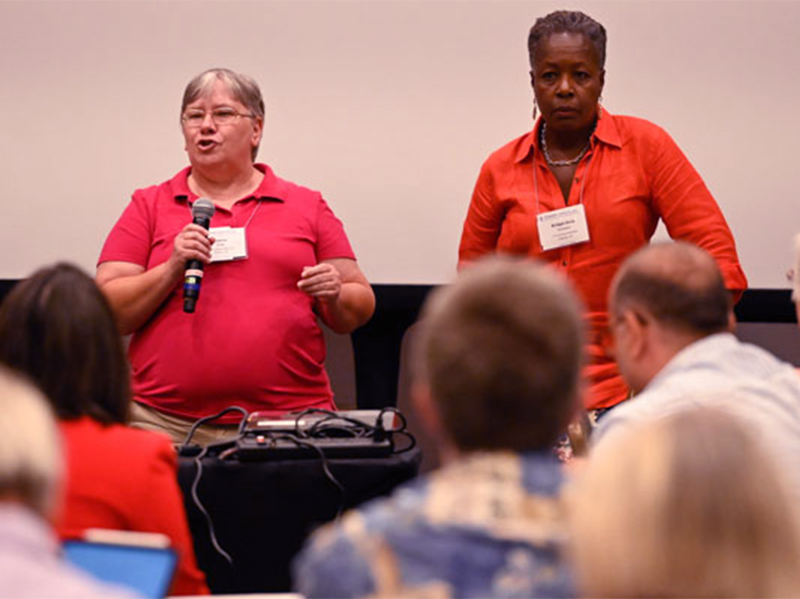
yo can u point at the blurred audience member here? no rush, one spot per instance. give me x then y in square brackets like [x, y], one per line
[496, 381]
[57, 328]
[686, 506]
[30, 473]
[671, 321]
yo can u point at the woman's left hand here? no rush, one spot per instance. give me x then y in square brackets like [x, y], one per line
[322, 282]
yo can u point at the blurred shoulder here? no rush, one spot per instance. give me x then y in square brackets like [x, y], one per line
[116, 439]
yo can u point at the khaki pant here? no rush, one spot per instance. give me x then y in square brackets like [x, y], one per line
[145, 417]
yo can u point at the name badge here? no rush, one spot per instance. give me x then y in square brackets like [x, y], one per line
[563, 227]
[230, 244]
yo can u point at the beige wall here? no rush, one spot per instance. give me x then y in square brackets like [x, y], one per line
[389, 107]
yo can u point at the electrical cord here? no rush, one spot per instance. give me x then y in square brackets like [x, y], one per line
[199, 504]
[332, 421]
[325, 467]
[337, 424]
[332, 424]
[242, 423]
[198, 460]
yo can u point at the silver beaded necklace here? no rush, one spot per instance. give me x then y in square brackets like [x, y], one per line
[569, 162]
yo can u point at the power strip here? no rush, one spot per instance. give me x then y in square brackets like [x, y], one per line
[252, 448]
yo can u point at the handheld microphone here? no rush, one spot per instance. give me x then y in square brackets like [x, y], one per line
[202, 211]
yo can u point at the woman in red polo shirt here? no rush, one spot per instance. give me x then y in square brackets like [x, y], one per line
[586, 188]
[281, 260]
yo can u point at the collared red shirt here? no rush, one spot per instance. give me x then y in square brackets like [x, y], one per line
[254, 340]
[632, 175]
[123, 478]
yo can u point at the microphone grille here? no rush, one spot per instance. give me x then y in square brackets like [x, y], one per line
[203, 208]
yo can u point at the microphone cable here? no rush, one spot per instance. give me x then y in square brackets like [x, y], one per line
[198, 460]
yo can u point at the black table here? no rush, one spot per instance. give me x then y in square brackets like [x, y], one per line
[263, 511]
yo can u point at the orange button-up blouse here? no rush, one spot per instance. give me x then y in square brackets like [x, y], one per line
[632, 175]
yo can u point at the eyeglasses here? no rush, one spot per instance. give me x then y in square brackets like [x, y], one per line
[220, 116]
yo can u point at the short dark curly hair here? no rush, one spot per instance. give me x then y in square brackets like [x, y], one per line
[568, 21]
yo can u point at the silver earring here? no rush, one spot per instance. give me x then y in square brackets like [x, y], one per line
[535, 110]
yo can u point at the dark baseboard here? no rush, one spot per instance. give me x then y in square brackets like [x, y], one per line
[766, 305]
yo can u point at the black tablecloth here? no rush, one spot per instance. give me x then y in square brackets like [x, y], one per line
[263, 511]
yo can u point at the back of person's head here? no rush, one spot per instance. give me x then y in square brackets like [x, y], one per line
[678, 284]
[57, 328]
[30, 452]
[686, 506]
[501, 353]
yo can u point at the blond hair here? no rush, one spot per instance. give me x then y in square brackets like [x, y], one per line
[30, 450]
[687, 506]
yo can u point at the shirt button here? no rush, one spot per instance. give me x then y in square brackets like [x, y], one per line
[564, 263]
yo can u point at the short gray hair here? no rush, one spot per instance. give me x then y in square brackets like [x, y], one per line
[243, 88]
[568, 21]
[30, 449]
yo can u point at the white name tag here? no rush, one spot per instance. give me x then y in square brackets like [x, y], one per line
[230, 244]
[563, 227]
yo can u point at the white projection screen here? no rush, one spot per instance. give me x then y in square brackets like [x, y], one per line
[388, 107]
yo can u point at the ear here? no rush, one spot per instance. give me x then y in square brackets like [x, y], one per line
[426, 408]
[532, 77]
[258, 131]
[638, 330]
[602, 80]
[430, 417]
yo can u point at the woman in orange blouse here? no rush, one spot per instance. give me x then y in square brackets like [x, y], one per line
[57, 328]
[586, 188]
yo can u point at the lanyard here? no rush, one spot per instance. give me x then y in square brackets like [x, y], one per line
[258, 205]
[252, 214]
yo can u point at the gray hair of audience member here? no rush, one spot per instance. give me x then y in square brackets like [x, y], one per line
[501, 352]
[568, 21]
[243, 88]
[30, 451]
[678, 284]
[691, 505]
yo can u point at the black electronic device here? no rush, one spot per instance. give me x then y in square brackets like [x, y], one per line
[317, 433]
[202, 211]
[260, 447]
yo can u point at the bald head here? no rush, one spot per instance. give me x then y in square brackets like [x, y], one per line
[677, 284]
